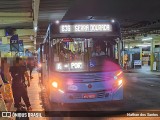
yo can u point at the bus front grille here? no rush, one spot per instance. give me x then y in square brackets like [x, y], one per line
[101, 94]
[85, 78]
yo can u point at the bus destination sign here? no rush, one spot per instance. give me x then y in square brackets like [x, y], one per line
[77, 28]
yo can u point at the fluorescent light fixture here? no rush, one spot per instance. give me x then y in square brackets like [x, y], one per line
[28, 46]
[127, 47]
[144, 45]
[147, 38]
[35, 28]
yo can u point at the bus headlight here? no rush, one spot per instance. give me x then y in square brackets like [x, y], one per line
[118, 77]
[55, 84]
[120, 82]
[117, 83]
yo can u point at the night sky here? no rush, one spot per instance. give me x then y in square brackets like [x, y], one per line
[134, 10]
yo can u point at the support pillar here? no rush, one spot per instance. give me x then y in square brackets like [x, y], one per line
[152, 54]
[141, 56]
[119, 52]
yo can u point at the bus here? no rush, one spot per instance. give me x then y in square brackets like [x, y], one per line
[81, 61]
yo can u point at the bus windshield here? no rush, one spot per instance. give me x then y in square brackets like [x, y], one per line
[84, 55]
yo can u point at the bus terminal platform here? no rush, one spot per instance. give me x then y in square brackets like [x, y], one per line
[34, 92]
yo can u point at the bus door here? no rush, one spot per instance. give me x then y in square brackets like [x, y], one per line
[44, 63]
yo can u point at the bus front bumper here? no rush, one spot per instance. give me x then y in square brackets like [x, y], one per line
[82, 97]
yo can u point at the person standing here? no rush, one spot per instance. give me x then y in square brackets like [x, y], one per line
[2, 88]
[6, 77]
[19, 88]
[30, 65]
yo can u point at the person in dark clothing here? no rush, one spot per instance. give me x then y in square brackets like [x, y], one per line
[19, 88]
[30, 66]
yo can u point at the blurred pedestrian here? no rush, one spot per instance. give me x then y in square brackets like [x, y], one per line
[2, 87]
[19, 73]
[2, 103]
[6, 78]
[30, 65]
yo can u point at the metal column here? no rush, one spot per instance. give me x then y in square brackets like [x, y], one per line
[119, 52]
[152, 54]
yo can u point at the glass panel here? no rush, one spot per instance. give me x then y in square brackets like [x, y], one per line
[81, 55]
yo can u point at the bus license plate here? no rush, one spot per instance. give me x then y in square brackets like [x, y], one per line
[89, 96]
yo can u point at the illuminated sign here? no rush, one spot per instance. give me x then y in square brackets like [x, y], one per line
[76, 65]
[73, 66]
[85, 28]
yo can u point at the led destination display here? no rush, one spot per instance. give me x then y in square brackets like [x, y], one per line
[66, 28]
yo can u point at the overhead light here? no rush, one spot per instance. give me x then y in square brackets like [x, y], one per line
[35, 28]
[144, 45]
[147, 38]
[28, 46]
[112, 20]
[57, 22]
